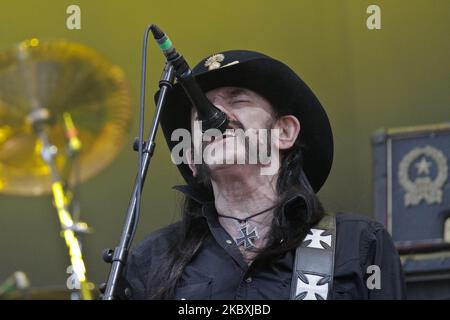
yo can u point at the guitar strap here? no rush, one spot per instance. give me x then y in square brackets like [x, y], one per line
[312, 276]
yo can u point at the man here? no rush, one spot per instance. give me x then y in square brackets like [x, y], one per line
[247, 235]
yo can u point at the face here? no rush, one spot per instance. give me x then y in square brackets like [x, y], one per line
[248, 112]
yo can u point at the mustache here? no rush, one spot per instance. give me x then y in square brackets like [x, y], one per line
[233, 125]
[236, 124]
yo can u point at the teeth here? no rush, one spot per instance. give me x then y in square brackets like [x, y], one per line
[229, 134]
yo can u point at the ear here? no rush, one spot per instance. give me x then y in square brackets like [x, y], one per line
[289, 127]
[190, 162]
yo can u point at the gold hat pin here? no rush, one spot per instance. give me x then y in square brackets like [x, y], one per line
[214, 61]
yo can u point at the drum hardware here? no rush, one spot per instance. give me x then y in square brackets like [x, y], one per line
[57, 96]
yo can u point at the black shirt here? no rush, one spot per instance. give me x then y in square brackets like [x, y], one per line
[218, 270]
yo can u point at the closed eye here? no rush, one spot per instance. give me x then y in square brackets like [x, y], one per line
[240, 101]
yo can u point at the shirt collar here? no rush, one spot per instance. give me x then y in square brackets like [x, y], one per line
[195, 192]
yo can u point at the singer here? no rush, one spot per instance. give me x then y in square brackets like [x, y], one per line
[247, 235]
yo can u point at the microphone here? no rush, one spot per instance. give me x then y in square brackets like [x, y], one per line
[210, 116]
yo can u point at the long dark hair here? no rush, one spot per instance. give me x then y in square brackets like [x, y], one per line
[289, 225]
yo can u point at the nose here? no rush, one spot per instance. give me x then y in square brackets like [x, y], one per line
[222, 106]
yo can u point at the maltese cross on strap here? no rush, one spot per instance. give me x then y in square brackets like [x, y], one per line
[311, 287]
[318, 238]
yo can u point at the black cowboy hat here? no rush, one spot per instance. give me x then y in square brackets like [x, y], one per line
[271, 79]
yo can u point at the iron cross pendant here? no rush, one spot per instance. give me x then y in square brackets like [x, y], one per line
[246, 237]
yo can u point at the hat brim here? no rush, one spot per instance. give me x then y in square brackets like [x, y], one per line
[283, 89]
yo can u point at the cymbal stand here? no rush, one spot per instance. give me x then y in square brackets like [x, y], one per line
[69, 229]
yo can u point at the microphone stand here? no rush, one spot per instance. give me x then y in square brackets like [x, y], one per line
[118, 256]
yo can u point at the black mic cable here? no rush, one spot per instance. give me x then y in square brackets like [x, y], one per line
[210, 115]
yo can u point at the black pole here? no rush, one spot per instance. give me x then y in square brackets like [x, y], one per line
[118, 257]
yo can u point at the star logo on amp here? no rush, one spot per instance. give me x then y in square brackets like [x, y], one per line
[422, 173]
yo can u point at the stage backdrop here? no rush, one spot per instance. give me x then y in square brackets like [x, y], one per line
[398, 75]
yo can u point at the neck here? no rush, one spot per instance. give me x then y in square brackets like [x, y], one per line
[241, 191]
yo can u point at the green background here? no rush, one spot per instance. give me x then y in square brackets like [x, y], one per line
[366, 79]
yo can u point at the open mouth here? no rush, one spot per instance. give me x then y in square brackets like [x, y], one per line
[229, 133]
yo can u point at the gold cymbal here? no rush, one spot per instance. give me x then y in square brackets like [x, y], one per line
[58, 77]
